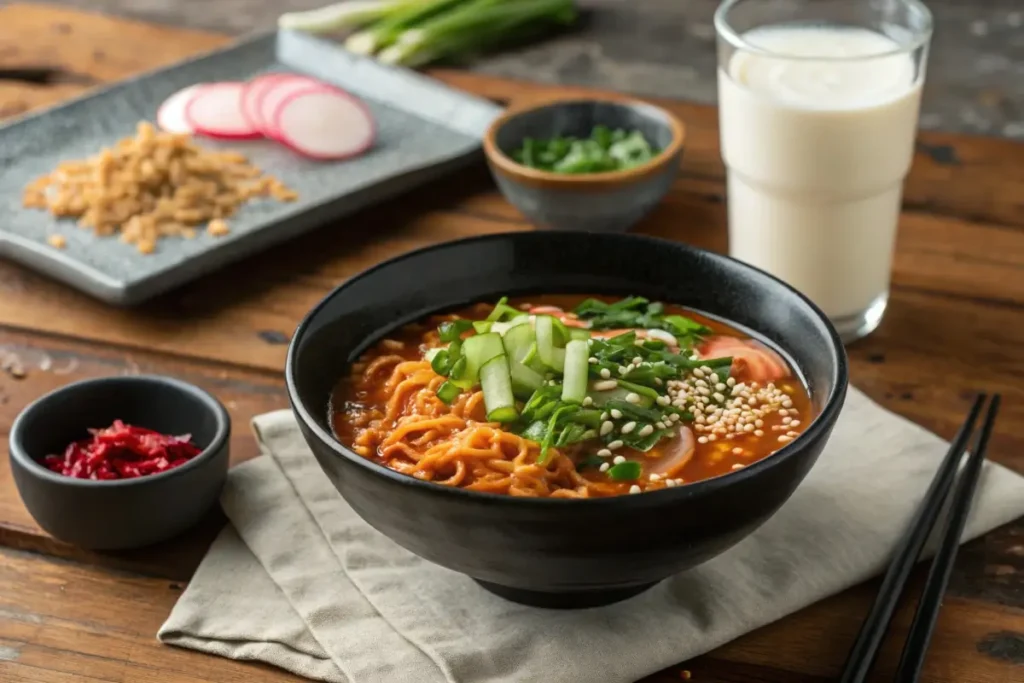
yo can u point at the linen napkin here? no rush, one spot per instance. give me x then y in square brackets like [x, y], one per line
[299, 581]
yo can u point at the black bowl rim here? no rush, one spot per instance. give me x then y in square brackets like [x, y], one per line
[821, 423]
[220, 437]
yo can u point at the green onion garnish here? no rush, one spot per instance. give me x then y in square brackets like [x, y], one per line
[625, 471]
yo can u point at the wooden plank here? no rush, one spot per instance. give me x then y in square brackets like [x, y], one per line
[69, 622]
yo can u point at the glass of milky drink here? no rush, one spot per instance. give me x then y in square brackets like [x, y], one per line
[818, 109]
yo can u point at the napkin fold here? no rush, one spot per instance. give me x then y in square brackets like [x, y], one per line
[299, 581]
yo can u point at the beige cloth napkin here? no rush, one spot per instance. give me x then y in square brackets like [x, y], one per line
[301, 582]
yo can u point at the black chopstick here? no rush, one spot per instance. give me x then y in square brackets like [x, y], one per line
[869, 639]
[916, 646]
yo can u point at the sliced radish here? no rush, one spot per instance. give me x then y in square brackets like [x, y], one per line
[273, 95]
[324, 123]
[251, 95]
[216, 111]
[171, 114]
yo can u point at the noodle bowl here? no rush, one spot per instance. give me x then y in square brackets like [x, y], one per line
[569, 397]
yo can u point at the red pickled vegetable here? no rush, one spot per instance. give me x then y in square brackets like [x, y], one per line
[122, 451]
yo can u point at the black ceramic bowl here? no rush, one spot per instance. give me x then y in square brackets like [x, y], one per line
[129, 513]
[557, 552]
[594, 202]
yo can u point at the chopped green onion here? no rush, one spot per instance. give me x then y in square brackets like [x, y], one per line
[440, 362]
[590, 418]
[535, 431]
[452, 330]
[448, 392]
[639, 390]
[625, 471]
[502, 310]
[549, 437]
[633, 410]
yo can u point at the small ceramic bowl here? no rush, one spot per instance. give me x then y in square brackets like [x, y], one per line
[127, 513]
[598, 202]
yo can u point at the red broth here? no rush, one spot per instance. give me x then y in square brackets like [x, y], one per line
[761, 406]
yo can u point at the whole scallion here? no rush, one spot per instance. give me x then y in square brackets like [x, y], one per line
[475, 26]
[339, 16]
[402, 17]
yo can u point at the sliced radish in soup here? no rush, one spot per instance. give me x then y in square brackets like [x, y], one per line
[324, 123]
[677, 453]
[751, 360]
[216, 111]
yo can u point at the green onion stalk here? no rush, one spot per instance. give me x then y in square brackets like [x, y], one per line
[474, 26]
[340, 16]
[402, 17]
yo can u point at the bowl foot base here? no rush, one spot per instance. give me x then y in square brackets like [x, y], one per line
[566, 600]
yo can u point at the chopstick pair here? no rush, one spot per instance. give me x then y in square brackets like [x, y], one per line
[865, 648]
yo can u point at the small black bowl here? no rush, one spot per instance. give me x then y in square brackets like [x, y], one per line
[129, 513]
[558, 552]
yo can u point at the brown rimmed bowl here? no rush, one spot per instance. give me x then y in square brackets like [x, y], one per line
[550, 551]
[598, 202]
[123, 513]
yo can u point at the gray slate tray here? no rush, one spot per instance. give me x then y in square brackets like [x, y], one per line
[424, 130]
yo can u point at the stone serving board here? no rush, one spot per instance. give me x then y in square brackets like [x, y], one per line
[424, 130]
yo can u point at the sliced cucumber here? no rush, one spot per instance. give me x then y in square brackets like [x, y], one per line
[503, 328]
[496, 383]
[477, 350]
[579, 333]
[517, 342]
[574, 383]
[524, 380]
[547, 350]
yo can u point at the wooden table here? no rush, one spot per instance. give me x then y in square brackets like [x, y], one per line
[955, 325]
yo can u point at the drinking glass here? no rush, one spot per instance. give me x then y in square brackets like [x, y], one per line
[818, 108]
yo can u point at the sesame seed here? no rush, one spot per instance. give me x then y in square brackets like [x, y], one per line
[759, 423]
[786, 403]
[748, 427]
[712, 437]
[604, 467]
[737, 451]
[637, 360]
[623, 370]
[615, 445]
[663, 400]
[604, 415]
[786, 420]
[587, 401]
[618, 459]
[655, 476]
[646, 430]
[698, 373]
[605, 385]
[606, 427]
[702, 439]
[719, 387]
[674, 417]
[783, 412]
[616, 414]
[758, 432]
[718, 397]
[634, 489]
[605, 373]
[794, 423]
[632, 397]
[785, 438]
[658, 381]
[604, 453]
[670, 483]
[680, 481]
[659, 424]
[700, 383]
[738, 466]
[730, 382]
[628, 427]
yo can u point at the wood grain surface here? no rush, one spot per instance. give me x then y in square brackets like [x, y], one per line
[955, 325]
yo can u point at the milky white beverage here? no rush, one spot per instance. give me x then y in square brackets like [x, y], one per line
[817, 148]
